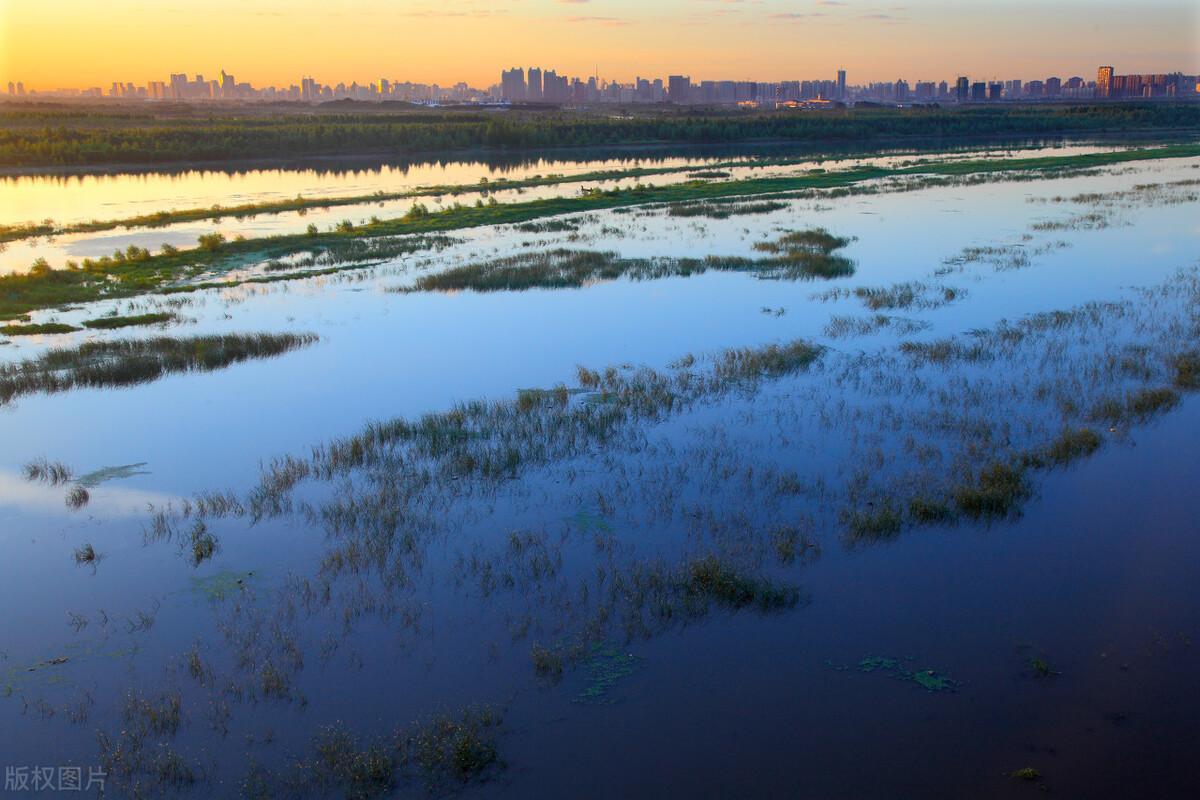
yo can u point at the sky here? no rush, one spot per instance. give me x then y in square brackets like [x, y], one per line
[80, 43]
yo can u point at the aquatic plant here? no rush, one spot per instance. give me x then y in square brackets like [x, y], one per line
[77, 497]
[85, 554]
[711, 579]
[872, 523]
[112, 322]
[39, 329]
[51, 472]
[995, 492]
[116, 363]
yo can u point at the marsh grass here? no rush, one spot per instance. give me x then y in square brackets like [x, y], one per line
[547, 662]
[201, 544]
[113, 322]
[712, 580]
[549, 226]
[38, 329]
[874, 523]
[1136, 406]
[717, 209]
[1187, 371]
[1070, 445]
[117, 363]
[85, 554]
[459, 747]
[996, 491]
[128, 277]
[54, 473]
[796, 256]
[77, 497]
[906, 295]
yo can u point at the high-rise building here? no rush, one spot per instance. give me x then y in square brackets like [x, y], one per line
[12, 89]
[978, 91]
[533, 90]
[841, 84]
[1053, 87]
[1104, 80]
[228, 86]
[512, 85]
[962, 89]
[995, 90]
[679, 88]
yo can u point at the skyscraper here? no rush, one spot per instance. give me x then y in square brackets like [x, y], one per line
[841, 84]
[512, 85]
[1104, 77]
[962, 89]
[679, 88]
[533, 90]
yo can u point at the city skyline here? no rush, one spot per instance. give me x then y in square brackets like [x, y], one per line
[707, 39]
[545, 85]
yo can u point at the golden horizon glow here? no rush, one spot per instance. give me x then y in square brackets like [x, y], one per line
[80, 43]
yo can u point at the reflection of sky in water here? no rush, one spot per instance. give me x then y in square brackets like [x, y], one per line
[1100, 564]
[100, 197]
[384, 354]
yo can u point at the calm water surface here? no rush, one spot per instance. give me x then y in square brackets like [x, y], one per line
[430, 604]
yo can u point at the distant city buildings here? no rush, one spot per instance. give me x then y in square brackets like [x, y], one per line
[1110, 86]
[538, 85]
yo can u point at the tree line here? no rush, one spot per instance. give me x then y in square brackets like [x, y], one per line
[65, 136]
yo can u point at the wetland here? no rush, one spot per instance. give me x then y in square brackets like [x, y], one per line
[866, 475]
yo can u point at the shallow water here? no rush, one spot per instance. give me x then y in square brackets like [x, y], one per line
[74, 199]
[428, 604]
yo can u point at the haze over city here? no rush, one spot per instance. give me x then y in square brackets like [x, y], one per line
[80, 43]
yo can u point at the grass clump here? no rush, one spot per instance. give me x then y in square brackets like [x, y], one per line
[546, 662]
[37, 329]
[110, 323]
[1041, 667]
[460, 747]
[54, 473]
[1187, 370]
[160, 715]
[711, 579]
[928, 511]
[85, 554]
[119, 363]
[873, 524]
[360, 772]
[995, 492]
[723, 209]
[1137, 406]
[774, 360]
[1070, 445]
[77, 497]
[201, 544]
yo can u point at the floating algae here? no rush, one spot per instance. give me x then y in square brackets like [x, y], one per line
[928, 679]
[93, 479]
[588, 521]
[222, 584]
[603, 667]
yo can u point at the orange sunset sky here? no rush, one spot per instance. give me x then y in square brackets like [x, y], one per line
[79, 43]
